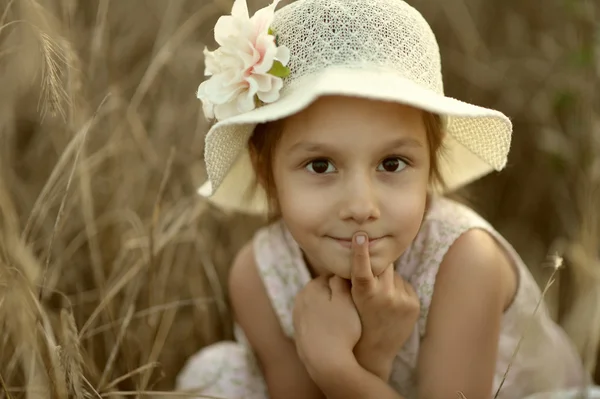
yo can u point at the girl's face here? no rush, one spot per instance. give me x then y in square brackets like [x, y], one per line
[345, 165]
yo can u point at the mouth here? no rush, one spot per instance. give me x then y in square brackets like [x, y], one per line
[347, 242]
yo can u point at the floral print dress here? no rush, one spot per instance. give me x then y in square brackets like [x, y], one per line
[546, 360]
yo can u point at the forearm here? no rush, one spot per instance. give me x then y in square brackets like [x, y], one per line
[370, 361]
[351, 381]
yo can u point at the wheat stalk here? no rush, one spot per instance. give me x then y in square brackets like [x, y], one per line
[557, 265]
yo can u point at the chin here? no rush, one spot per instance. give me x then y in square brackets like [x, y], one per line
[379, 267]
[338, 260]
[339, 270]
[344, 269]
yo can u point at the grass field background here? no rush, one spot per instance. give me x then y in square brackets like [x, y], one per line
[112, 269]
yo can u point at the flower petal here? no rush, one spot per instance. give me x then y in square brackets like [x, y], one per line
[248, 55]
[209, 109]
[273, 93]
[239, 68]
[207, 105]
[246, 102]
[246, 99]
[224, 111]
[218, 91]
[252, 85]
[240, 9]
[267, 49]
[283, 55]
[226, 106]
[230, 58]
[230, 79]
[224, 28]
[264, 83]
[211, 62]
[263, 18]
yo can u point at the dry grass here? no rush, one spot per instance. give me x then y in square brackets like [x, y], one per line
[112, 270]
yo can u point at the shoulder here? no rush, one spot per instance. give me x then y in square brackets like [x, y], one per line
[285, 375]
[471, 271]
[456, 247]
[243, 270]
[247, 291]
[449, 230]
[272, 267]
[250, 302]
[263, 281]
[459, 239]
[476, 256]
[444, 222]
[464, 324]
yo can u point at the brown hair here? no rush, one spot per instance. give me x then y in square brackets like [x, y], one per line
[266, 136]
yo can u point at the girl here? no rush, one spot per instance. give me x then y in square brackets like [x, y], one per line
[331, 120]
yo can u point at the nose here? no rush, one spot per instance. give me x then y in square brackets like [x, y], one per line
[359, 202]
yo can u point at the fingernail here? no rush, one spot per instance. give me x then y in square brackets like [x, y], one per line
[360, 239]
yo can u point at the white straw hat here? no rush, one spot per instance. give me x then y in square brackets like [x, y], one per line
[275, 64]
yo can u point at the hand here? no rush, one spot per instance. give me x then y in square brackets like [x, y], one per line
[326, 323]
[388, 308]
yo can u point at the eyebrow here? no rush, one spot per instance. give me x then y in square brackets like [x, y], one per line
[317, 147]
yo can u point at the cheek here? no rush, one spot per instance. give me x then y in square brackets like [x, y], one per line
[403, 217]
[300, 206]
[405, 214]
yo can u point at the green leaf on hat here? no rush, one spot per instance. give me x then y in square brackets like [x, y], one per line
[272, 33]
[279, 70]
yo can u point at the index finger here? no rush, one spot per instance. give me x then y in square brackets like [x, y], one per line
[361, 273]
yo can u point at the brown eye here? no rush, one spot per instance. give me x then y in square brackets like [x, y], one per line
[393, 164]
[320, 166]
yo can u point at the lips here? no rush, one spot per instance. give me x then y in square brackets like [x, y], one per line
[347, 242]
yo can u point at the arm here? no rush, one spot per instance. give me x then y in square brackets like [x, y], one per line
[285, 375]
[348, 380]
[372, 362]
[474, 284]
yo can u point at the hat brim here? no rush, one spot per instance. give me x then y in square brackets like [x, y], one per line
[464, 158]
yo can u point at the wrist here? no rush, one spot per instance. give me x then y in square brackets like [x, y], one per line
[375, 362]
[335, 370]
[327, 365]
[348, 380]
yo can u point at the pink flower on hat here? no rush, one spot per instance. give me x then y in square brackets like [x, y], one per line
[247, 68]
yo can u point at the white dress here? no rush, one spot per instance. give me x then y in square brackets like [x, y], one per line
[546, 361]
